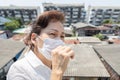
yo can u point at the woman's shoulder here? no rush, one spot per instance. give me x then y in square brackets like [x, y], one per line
[17, 70]
[18, 67]
[19, 64]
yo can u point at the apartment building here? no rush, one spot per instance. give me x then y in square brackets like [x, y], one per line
[25, 13]
[73, 12]
[97, 14]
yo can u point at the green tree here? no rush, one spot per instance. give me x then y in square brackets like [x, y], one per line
[17, 19]
[74, 33]
[108, 21]
[14, 24]
[100, 36]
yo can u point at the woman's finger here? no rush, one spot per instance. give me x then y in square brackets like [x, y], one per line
[71, 54]
[67, 49]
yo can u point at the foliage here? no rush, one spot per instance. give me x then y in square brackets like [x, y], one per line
[17, 19]
[74, 33]
[117, 28]
[108, 21]
[100, 36]
[14, 24]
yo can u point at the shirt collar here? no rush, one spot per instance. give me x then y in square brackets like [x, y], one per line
[34, 60]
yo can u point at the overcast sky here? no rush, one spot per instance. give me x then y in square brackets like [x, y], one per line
[38, 2]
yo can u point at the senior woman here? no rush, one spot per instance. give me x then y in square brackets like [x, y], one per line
[47, 58]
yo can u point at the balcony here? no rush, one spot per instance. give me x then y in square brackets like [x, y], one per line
[75, 9]
[74, 16]
[75, 13]
[106, 17]
[66, 20]
[83, 14]
[108, 12]
[108, 9]
[68, 13]
[8, 12]
[99, 16]
[99, 10]
[25, 16]
[93, 10]
[115, 16]
[116, 10]
[74, 20]
[33, 16]
[116, 13]
[2, 12]
[26, 20]
[18, 16]
[67, 17]
[98, 20]
[68, 9]
[83, 17]
[33, 19]
[99, 13]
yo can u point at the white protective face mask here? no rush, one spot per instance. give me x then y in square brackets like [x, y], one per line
[48, 45]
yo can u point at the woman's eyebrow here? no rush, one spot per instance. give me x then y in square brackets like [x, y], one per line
[57, 31]
[54, 30]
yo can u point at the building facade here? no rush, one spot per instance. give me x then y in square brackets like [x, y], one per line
[25, 13]
[97, 14]
[73, 12]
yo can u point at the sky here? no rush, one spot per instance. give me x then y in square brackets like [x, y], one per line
[38, 2]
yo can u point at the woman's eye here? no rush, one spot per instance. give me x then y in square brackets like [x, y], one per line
[62, 36]
[52, 35]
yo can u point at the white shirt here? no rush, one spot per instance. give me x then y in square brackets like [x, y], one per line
[29, 68]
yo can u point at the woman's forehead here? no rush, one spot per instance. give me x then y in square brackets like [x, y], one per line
[55, 26]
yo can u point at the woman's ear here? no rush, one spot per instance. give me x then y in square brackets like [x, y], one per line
[33, 38]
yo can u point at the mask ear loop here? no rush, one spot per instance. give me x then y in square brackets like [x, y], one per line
[27, 49]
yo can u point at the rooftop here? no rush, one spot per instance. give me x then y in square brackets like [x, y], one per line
[103, 28]
[89, 39]
[105, 7]
[86, 63]
[71, 40]
[19, 7]
[68, 30]
[63, 5]
[111, 54]
[8, 50]
[82, 25]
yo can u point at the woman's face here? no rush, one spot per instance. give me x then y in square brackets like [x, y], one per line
[53, 30]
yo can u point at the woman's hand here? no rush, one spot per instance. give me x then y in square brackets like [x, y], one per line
[60, 59]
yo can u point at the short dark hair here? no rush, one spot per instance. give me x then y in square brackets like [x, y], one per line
[42, 22]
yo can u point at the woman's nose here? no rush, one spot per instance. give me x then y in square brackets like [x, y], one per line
[58, 38]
